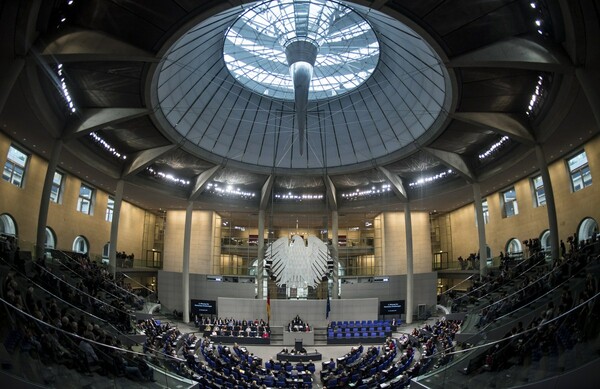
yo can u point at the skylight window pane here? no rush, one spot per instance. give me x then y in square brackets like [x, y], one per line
[259, 37]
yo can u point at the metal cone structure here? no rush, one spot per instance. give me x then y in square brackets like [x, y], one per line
[301, 50]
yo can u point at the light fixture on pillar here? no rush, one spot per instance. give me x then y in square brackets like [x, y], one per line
[301, 51]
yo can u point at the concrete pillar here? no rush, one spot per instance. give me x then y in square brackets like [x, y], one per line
[334, 253]
[550, 206]
[45, 200]
[185, 272]
[114, 228]
[480, 229]
[261, 256]
[409, 264]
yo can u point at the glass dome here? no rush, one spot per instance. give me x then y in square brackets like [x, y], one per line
[347, 49]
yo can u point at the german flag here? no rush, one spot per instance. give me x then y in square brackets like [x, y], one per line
[268, 308]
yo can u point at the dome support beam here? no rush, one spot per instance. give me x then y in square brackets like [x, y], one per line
[265, 192]
[100, 118]
[201, 180]
[397, 185]
[455, 161]
[517, 53]
[88, 45]
[514, 126]
[144, 158]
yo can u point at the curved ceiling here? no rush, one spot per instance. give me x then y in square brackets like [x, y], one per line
[235, 113]
[453, 79]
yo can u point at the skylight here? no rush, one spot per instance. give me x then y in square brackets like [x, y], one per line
[255, 47]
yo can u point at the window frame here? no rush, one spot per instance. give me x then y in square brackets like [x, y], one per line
[536, 191]
[14, 165]
[81, 200]
[485, 210]
[506, 204]
[59, 192]
[110, 209]
[580, 171]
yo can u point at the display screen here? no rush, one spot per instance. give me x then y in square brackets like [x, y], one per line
[204, 307]
[394, 307]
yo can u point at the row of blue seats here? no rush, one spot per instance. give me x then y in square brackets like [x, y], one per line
[364, 323]
[349, 335]
[361, 329]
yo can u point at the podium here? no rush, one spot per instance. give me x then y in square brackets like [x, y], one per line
[298, 345]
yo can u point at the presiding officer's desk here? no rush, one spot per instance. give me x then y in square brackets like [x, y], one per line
[314, 356]
[290, 338]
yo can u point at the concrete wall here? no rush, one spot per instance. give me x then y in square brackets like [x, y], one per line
[395, 289]
[394, 243]
[571, 208]
[202, 242]
[360, 301]
[170, 291]
[311, 311]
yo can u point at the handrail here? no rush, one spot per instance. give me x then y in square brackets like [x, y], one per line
[526, 331]
[137, 282]
[515, 277]
[74, 335]
[104, 321]
[448, 290]
[79, 275]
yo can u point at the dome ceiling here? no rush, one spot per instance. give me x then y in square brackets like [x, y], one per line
[240, 111]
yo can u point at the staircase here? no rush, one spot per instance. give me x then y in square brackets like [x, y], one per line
[320, 336]
[276, 335]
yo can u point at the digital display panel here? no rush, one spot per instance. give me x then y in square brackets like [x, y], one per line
[393, 307]
[204, 307]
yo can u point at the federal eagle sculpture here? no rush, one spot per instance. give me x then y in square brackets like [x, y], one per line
[297, 262]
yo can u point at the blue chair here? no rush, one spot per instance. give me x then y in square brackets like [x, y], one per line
[357, 334]
[373, 334]
[348, 335]
[332, 383]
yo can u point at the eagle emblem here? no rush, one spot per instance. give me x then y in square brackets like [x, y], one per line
[297, 262]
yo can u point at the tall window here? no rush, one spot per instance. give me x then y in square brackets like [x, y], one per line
[579, 171]
[110, 209]
[56, 191]
[538, 189]
[84, 202]
[509, 198]
[486, 211]
[14, 168]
